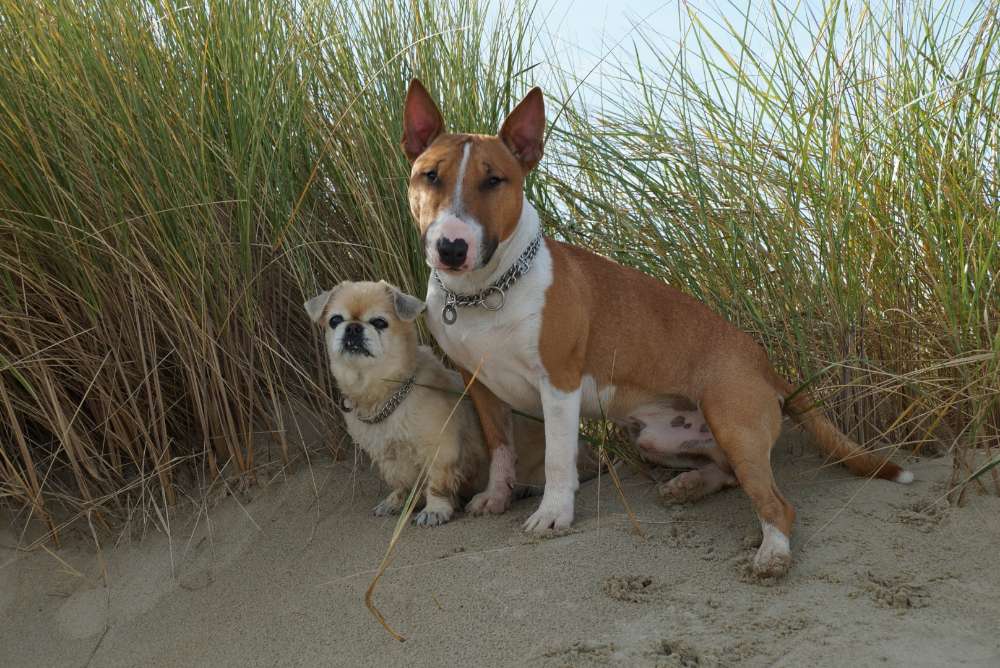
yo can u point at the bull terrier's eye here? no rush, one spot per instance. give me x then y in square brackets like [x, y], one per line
[379, 323]
[432, 176]
[336, 320]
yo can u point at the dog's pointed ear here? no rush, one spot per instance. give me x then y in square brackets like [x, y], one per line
[407, 308]
[315, 306]
[422, 122]
[524, 130]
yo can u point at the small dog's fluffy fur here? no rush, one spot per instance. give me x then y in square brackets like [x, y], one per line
[369, 364]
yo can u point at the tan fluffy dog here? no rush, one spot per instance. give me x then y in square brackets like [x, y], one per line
[372, 346]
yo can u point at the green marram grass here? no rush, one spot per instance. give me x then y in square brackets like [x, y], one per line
[179, 177]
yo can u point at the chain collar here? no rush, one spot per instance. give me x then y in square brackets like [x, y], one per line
[493, 297]
[390, 405]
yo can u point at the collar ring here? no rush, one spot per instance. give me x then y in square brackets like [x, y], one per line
[491, 303]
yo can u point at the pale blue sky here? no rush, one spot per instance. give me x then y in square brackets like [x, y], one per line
[586, 23]
[587, 32]
[596, 39]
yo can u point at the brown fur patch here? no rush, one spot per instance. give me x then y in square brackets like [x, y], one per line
[651, 341]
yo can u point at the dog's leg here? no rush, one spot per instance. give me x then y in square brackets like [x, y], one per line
[443, 482]
[498, 431]
[392, 504]
[746, 419]
[438, 510]
[693, 485]
[562, 429]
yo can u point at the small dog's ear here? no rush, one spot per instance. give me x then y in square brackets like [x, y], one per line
[422, 122]
[524, 130]
[315, 306]
[407, 308]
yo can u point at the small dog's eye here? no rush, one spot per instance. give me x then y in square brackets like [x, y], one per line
[379, 323]
[336, 320]
[494, 181]
[432, 176]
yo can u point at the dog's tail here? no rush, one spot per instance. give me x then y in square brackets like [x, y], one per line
[802, 408]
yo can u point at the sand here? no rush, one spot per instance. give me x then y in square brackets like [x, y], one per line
[883, 575]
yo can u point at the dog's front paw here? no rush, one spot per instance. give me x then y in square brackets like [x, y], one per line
[554, 513]
[431, 518]
[492, 502]
[387, 506]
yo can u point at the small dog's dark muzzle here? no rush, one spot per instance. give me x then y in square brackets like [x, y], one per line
[354, 339]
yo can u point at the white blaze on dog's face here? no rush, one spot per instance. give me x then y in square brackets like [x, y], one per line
[466, 191]
[369, 330]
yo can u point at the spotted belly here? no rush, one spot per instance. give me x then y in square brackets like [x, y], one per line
[671, 436]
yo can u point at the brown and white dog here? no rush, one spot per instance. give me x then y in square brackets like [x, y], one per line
[579, 335]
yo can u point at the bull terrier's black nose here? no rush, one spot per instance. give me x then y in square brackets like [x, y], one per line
[354, 329]
[452, 253]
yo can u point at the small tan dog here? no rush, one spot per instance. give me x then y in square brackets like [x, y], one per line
[398, 395]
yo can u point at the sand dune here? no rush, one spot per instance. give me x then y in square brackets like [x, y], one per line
[883, 575]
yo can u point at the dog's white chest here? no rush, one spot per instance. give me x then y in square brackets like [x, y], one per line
[505, 355]
[502, 345]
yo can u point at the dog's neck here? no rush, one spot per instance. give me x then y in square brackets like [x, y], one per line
[506, 254]
[368, 389]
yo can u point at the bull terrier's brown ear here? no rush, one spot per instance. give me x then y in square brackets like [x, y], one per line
[422, 122]
[315, 306]
[407, 308]
[524, 130]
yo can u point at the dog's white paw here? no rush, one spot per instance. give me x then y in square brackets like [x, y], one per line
[554, 513]
[771, 564]
[431, 518]
[774, 557]
[491, 502]
[387, 506]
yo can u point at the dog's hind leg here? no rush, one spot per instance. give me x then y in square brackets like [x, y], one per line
[693, 485]
[680, 437]
[745, 419]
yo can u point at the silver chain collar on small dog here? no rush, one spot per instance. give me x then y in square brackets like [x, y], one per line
[493, 297]
[391, 404]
